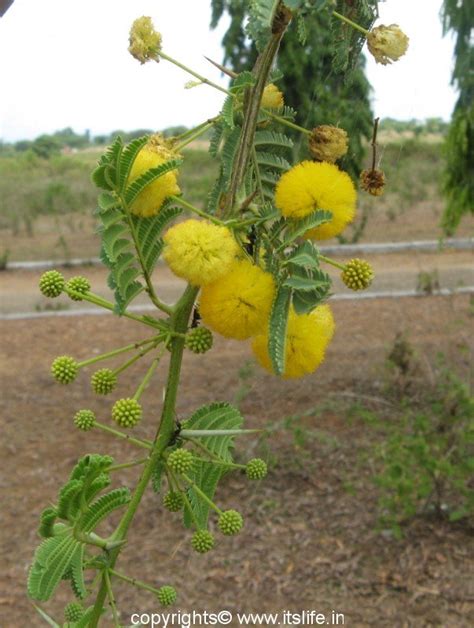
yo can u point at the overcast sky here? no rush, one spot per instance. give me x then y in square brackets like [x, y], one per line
[65, 63]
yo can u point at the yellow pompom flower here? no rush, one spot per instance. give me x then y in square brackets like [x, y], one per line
[309, 186]
[153, 154]
[307, 336]
[238, 304]
[145, 42]
[272, 97]
[199, 251]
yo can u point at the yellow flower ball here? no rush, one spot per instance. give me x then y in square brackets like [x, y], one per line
[238, 304]
[309, 186]
[153, 154]
[387, 43]
[307, 336]
[199, 251]
[272, 97]
[145, 42]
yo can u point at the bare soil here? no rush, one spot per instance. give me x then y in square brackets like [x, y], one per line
[309, 541]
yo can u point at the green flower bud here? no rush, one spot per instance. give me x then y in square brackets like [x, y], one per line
[103, 381]
[84, 420]
[256, 469]
[73, 611]
[202, 541]
[199, 339]
[173, 501]
[127, 412]
[64, 369]
[180, 460]
[78, 284]
[358, 274]
[51, 283]
[166, 595]
[230, 522]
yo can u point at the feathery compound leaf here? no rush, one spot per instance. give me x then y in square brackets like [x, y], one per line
[277, 329]
[102, 507]
[148, 231]
[127, 159]
[216, 138]
[348, 41]
[227, 112]
[311, 287]
[241, 82]
[148, 177]
[259, 26]
[273, 139]
[206, 477]
[229, 151]
[51, 561]
[67, 495]
[305, 255]
[300, 227]
[215, 195]
[76, 569]
[271, 161]
[107, 201]
[105, 174]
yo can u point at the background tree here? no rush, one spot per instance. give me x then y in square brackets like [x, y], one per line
[458, 17]
[336, 97]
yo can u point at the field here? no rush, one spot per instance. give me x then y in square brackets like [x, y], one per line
[312, 538]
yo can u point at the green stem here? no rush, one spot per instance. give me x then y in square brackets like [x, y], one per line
[110, 430]
[328, 260]
[192, 137]
[196, 210]
[188, 433]
[136, 583]
[187, 504]
[223, 463]
[202, 494]
[135, 358]
[288, 123]
[179, 323]
[146, 379]
[126, 465]
[110, 595]
[111, 354]
[345, 19]
[201, 78]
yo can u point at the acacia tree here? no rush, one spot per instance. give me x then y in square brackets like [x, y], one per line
[322, 81]
[252, 266]
[458, 17]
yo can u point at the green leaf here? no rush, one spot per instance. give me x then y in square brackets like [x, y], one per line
[259, 26]
[148, 231]
[127, 159]
[152, 174]
[51, 561]
[107, 201]
[277, 329]
[113, 241]
[274, 162]
[229, 151]
[102, 507]
[298, 228]
[215, 195]
[242, 82]
[77, 572]
[294, 4]
[227, 112]
[304, 283]
[205, 475]
[271, 138]
[216, 138]
[110, 216]
[304, 255]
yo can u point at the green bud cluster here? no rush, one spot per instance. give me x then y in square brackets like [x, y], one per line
[230, 522]
[173, 501]
[78, 284]
[51, 284]
[202, 541]
[103, 381]
[199, 339]
[166, 595]
[64, 369]
[357, 274]
[180, 460]
[127, 412]
[84, 420]
[73, 611]
[256, 469]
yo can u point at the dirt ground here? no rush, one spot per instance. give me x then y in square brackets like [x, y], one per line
[309, 541]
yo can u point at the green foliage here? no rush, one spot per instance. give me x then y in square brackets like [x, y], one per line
[216, 416]
[427, 456]
[458, 16]
[277, 328]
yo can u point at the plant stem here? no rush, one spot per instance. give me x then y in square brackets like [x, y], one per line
[179, 323]
[202, 494]
[229, 465]
[328, 260]
[135, 358]
[350, 22]
[146, 379]
[134, 581]
[286, 122]
[188, 433]
[110, 595]
[201, 78]
[111, 354]
[196, 210]
[126, 465]
[110, 430]
[194, 136]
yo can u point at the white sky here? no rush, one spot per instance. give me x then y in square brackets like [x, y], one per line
[65, 63]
